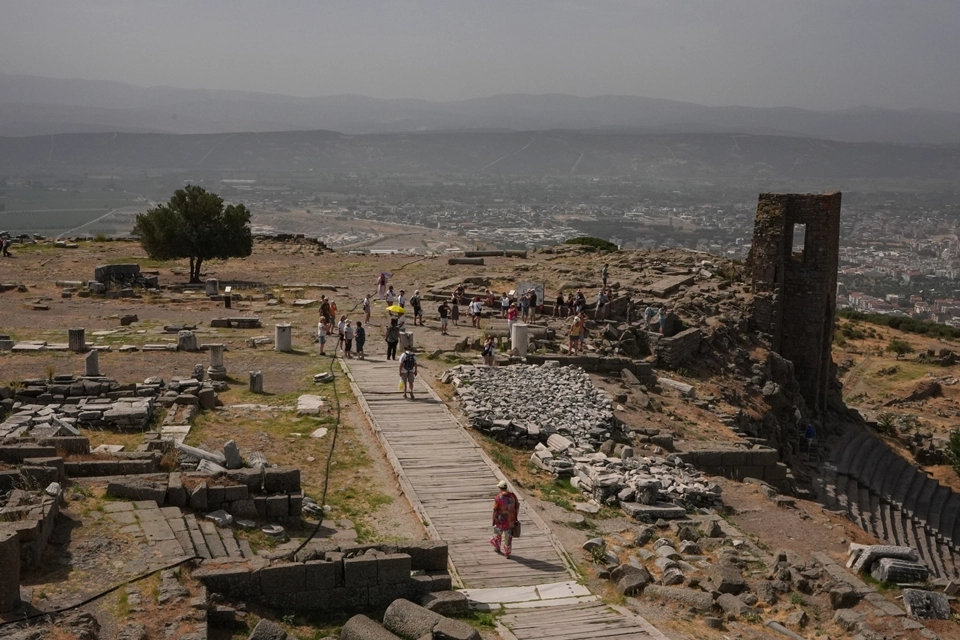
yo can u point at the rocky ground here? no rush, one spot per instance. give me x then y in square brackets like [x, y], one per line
[737, 390]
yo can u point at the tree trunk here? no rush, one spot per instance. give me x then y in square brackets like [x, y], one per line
[195, 270]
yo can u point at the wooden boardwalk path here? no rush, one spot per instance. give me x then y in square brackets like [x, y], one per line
[452, 480]
[451, 484]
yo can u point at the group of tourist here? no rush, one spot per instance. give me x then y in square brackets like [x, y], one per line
[350, 337]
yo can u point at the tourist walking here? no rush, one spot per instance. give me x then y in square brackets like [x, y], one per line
[506, 514]
[444, 311]
[489, 347]
[476, 311]
[390, 296]
[648, 315]
[360, 336]
[382, 285]
[534, 301]
[504, 305]
[512, 314]
[604, 274]
[402, 299]
[601, 309]
[417, 302]
[392, 337]
[455, 311]
[408, 370]
[581, 302]
[525, 306]
[366, 309]
[347, 340]
[663, 320]
[558, 311]
[576, 334]
[322, 335]
[341, 328]
[325, 316]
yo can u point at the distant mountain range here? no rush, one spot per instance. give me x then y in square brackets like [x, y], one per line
[37, 106]
[692, 156]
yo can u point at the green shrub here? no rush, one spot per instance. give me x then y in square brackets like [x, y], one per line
[596, 243]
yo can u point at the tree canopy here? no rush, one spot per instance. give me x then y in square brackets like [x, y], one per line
[899, 347]
[194, 224]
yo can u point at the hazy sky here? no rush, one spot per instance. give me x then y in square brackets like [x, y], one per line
[808, 53]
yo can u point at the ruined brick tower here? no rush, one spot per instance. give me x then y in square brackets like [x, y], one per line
[793, 265]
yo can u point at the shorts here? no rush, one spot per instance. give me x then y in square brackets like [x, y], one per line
[574, 338]
[322, 339]
[443, 322]
[359, 347]
[407, 376]
[348, 344]
[477, 315]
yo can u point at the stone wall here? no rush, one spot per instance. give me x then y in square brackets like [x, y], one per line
[33, 524]
[340, 579]
[762, 463]
[673, 352]
[272, 494]
[797, 285]
[597, 364]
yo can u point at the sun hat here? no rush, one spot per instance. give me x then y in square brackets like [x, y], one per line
[502, 484]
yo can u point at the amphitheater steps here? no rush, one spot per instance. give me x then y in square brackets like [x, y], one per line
[896, 502]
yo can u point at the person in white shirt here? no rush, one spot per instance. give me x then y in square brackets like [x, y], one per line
[347, 339]
[402, 299]
[341, 327]
[504, 305]
[390, 296]
[366, 309]
[322, 335]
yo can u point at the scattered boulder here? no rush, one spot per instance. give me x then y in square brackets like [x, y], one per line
[267, 630]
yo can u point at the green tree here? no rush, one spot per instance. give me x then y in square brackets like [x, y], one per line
[899, 347]
[195, 225]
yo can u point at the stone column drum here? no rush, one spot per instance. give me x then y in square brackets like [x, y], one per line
[212, 287]
[256, 382]
[283, 338]
[77, 340]
[186, 341]
[92, 365]
[520, 339]
[216, 370]
[406, 339]
[9, 571]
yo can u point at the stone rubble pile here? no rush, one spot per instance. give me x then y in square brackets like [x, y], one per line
[570, 423]
[41, 409]
[635, 481]
[524, 404]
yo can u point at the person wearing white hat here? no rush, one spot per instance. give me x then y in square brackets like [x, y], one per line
[506, 509]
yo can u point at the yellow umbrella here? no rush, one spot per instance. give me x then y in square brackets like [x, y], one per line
[396, 309]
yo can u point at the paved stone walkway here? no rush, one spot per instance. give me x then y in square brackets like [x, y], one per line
[171, 534]
[451, 484]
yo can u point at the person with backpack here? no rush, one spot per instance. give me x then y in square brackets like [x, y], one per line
[488, 350]
[444, 311]
[360, 336]
[506, 514]
[393, 337]
[408, 370]
[417, 303]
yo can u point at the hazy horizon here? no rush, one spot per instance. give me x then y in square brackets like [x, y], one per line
[822, 54]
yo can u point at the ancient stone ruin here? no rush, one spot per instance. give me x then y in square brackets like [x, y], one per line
[796, 285]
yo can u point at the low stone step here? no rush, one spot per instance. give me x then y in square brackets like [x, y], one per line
[937, 502]
[893, 477]
[196, 536]
[921, 508]
[948, 517]
[878, 468]
[850, 449]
